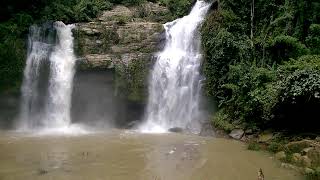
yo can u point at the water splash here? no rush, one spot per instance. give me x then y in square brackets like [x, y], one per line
[174, 89]
[48, 75]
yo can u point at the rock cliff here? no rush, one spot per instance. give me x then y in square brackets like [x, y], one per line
[123, 39]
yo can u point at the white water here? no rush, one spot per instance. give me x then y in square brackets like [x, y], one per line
[62, 61]
[52, 108]
[174, 88]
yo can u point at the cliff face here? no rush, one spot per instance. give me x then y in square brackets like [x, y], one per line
[123, 39]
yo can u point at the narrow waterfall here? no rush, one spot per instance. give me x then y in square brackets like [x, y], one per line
[174, 88]
[48, 76]
[62, 61]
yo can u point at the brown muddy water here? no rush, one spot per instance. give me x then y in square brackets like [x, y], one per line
[126, 155]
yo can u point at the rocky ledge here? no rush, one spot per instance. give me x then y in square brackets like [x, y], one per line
[123, 40]
[120, 36]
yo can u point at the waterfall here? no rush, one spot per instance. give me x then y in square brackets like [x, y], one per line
[48, 75]
[174, 87]
[62, 61]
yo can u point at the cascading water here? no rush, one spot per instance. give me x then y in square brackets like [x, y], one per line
[52, 108]
[174, 89]
[62, 61]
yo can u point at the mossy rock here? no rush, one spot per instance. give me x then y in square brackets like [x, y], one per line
[314, 155]
[297, 146]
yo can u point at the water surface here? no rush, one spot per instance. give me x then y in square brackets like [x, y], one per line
[120, 155]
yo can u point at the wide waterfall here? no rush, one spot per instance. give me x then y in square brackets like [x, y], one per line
[174, 88]
[48, 77]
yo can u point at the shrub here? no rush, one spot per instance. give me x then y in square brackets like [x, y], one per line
[275, 147]
[251, 96]
[302, 63]
[313, 175]
[254, 146]
[221, 121]
[284, 47]
[179, 8]
[128, 2]
[313, 39]
[299, 101]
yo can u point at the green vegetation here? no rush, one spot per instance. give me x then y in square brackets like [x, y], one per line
[16, 16]
[262, 64]
[130, 80]
[254, 146]
[314, 175]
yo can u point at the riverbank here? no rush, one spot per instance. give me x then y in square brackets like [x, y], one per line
[299, 152]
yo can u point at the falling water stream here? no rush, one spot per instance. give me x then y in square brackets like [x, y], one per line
[62, 61]
[46, 101]
[175, 83]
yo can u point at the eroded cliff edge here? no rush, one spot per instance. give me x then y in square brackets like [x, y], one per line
[123, 40]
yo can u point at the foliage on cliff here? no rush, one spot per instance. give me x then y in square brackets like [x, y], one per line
[16, 16]
[262, 62]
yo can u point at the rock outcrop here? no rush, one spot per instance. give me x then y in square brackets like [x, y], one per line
[123, 39]
[237, 134]
[120, 36]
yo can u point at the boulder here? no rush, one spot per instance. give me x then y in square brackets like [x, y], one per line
[207, 130]
[290, 166]
[305, 161]
[176, 130]
[298, 146]
[237, 134]
[314, 156]
[280, 155]
[301, 160]
[306, 150]
[245, 138]
[265, 137]
[296, 157]
[249, 132]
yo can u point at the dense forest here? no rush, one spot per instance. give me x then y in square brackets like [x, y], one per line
[262, 64]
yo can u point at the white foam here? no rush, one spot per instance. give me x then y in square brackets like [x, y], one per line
[175, 81]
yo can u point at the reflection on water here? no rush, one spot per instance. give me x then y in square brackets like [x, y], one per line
[127, 155]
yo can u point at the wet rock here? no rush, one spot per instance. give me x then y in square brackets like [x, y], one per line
[42, 171]
[237, 134]
[296, 157]
[244, 138]
[207, 130]
[176, 130]
[280, 155]
[301, 160]
[106, 43]
[314, 156]
[132, 124]
[249, 132]
[298, 146]
[305, 161]
[265, 137]
[251, 137]
[290, 166]
[308, 171]
[306, 150]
